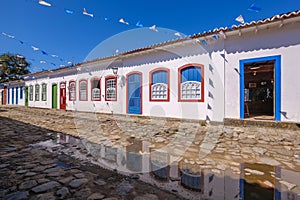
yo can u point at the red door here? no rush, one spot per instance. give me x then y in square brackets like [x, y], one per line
[4, 96]
[63, 96]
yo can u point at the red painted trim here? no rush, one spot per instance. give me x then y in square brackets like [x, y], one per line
[72, 81]
[87, 93]
[150, 84]
[202, 82]
[62, 105]
[4, 97]
[141, 99]
[93, 79]
[111, 77]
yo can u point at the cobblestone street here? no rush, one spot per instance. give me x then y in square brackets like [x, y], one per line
[33, 168]
[29, 172]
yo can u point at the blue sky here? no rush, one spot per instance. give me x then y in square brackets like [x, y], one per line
[73, 36]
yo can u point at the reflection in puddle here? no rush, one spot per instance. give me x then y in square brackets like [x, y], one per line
[186, 177]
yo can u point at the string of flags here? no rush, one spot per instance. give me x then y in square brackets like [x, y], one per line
[253, 7]
[37, 49]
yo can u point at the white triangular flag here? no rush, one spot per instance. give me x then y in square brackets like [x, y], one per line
[240, 19]
[7, 35]
[44, 3]
[177, 34]
[123, 21]
[34, 48]
[153, 28]
[43, 62]
[86, 13]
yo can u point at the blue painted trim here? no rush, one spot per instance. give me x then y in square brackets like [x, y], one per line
[277, 184]
[242, 89]
[277, 87]
[242, 182]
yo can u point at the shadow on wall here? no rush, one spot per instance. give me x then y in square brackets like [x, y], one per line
[285, 36]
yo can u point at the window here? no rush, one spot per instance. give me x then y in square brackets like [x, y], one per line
[44, 92]
[72, 91]
[191, 83]
[111, 88]
[83, 95]
[96, 93]
[37, 92]
[30, 93]
[159, 85]
[21, 92]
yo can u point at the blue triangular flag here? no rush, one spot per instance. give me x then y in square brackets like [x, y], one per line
[69, 11]
[43, 52]
[254, 8]
[53, 64]
[215, 37]
[204, 42]
[138, 24]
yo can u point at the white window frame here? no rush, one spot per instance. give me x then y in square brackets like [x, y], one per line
[190, 90]
[44, 92]
[37, 92]
[83, 92]
[159, 91]
[111, 89]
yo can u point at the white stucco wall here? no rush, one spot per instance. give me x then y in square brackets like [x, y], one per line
[282, 41]
[221, 78]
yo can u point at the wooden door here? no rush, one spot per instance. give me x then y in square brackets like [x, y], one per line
[134, 93]
[26, 96]
[63, 96]
[4, 96]
[54, 96]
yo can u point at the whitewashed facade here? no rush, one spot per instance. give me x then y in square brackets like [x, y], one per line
[188, 78]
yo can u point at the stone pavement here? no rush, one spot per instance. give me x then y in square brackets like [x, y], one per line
[30, 172]
[214, 147]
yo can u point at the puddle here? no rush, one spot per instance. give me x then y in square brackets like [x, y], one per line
[62, 164]
[206, 178]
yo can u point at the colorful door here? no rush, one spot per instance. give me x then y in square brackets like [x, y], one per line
[134, 93]
[26, 96]
[54, 96]
[63, 96]
[17, 96]
[4, 96]
[12, 95]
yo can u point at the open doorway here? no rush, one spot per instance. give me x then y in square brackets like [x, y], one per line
[259, 90]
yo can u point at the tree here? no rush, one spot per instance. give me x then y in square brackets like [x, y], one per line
[13, 67]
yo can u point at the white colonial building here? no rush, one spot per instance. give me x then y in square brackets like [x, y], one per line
[247, 71]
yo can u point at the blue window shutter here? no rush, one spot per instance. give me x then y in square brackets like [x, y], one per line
[12, 95]
[21, 92]
[160, 77]
[191, 74]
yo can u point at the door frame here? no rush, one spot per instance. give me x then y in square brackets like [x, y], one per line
[52, 92]
[60, 95]
[277, 83]
[17, 95]
[141, 93]
[4, 96]
[26, 96]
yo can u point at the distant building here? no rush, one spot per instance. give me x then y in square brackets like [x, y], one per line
[247, 71]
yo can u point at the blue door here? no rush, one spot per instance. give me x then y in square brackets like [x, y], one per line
[12, 95]
[134, 93]
[17, 95]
